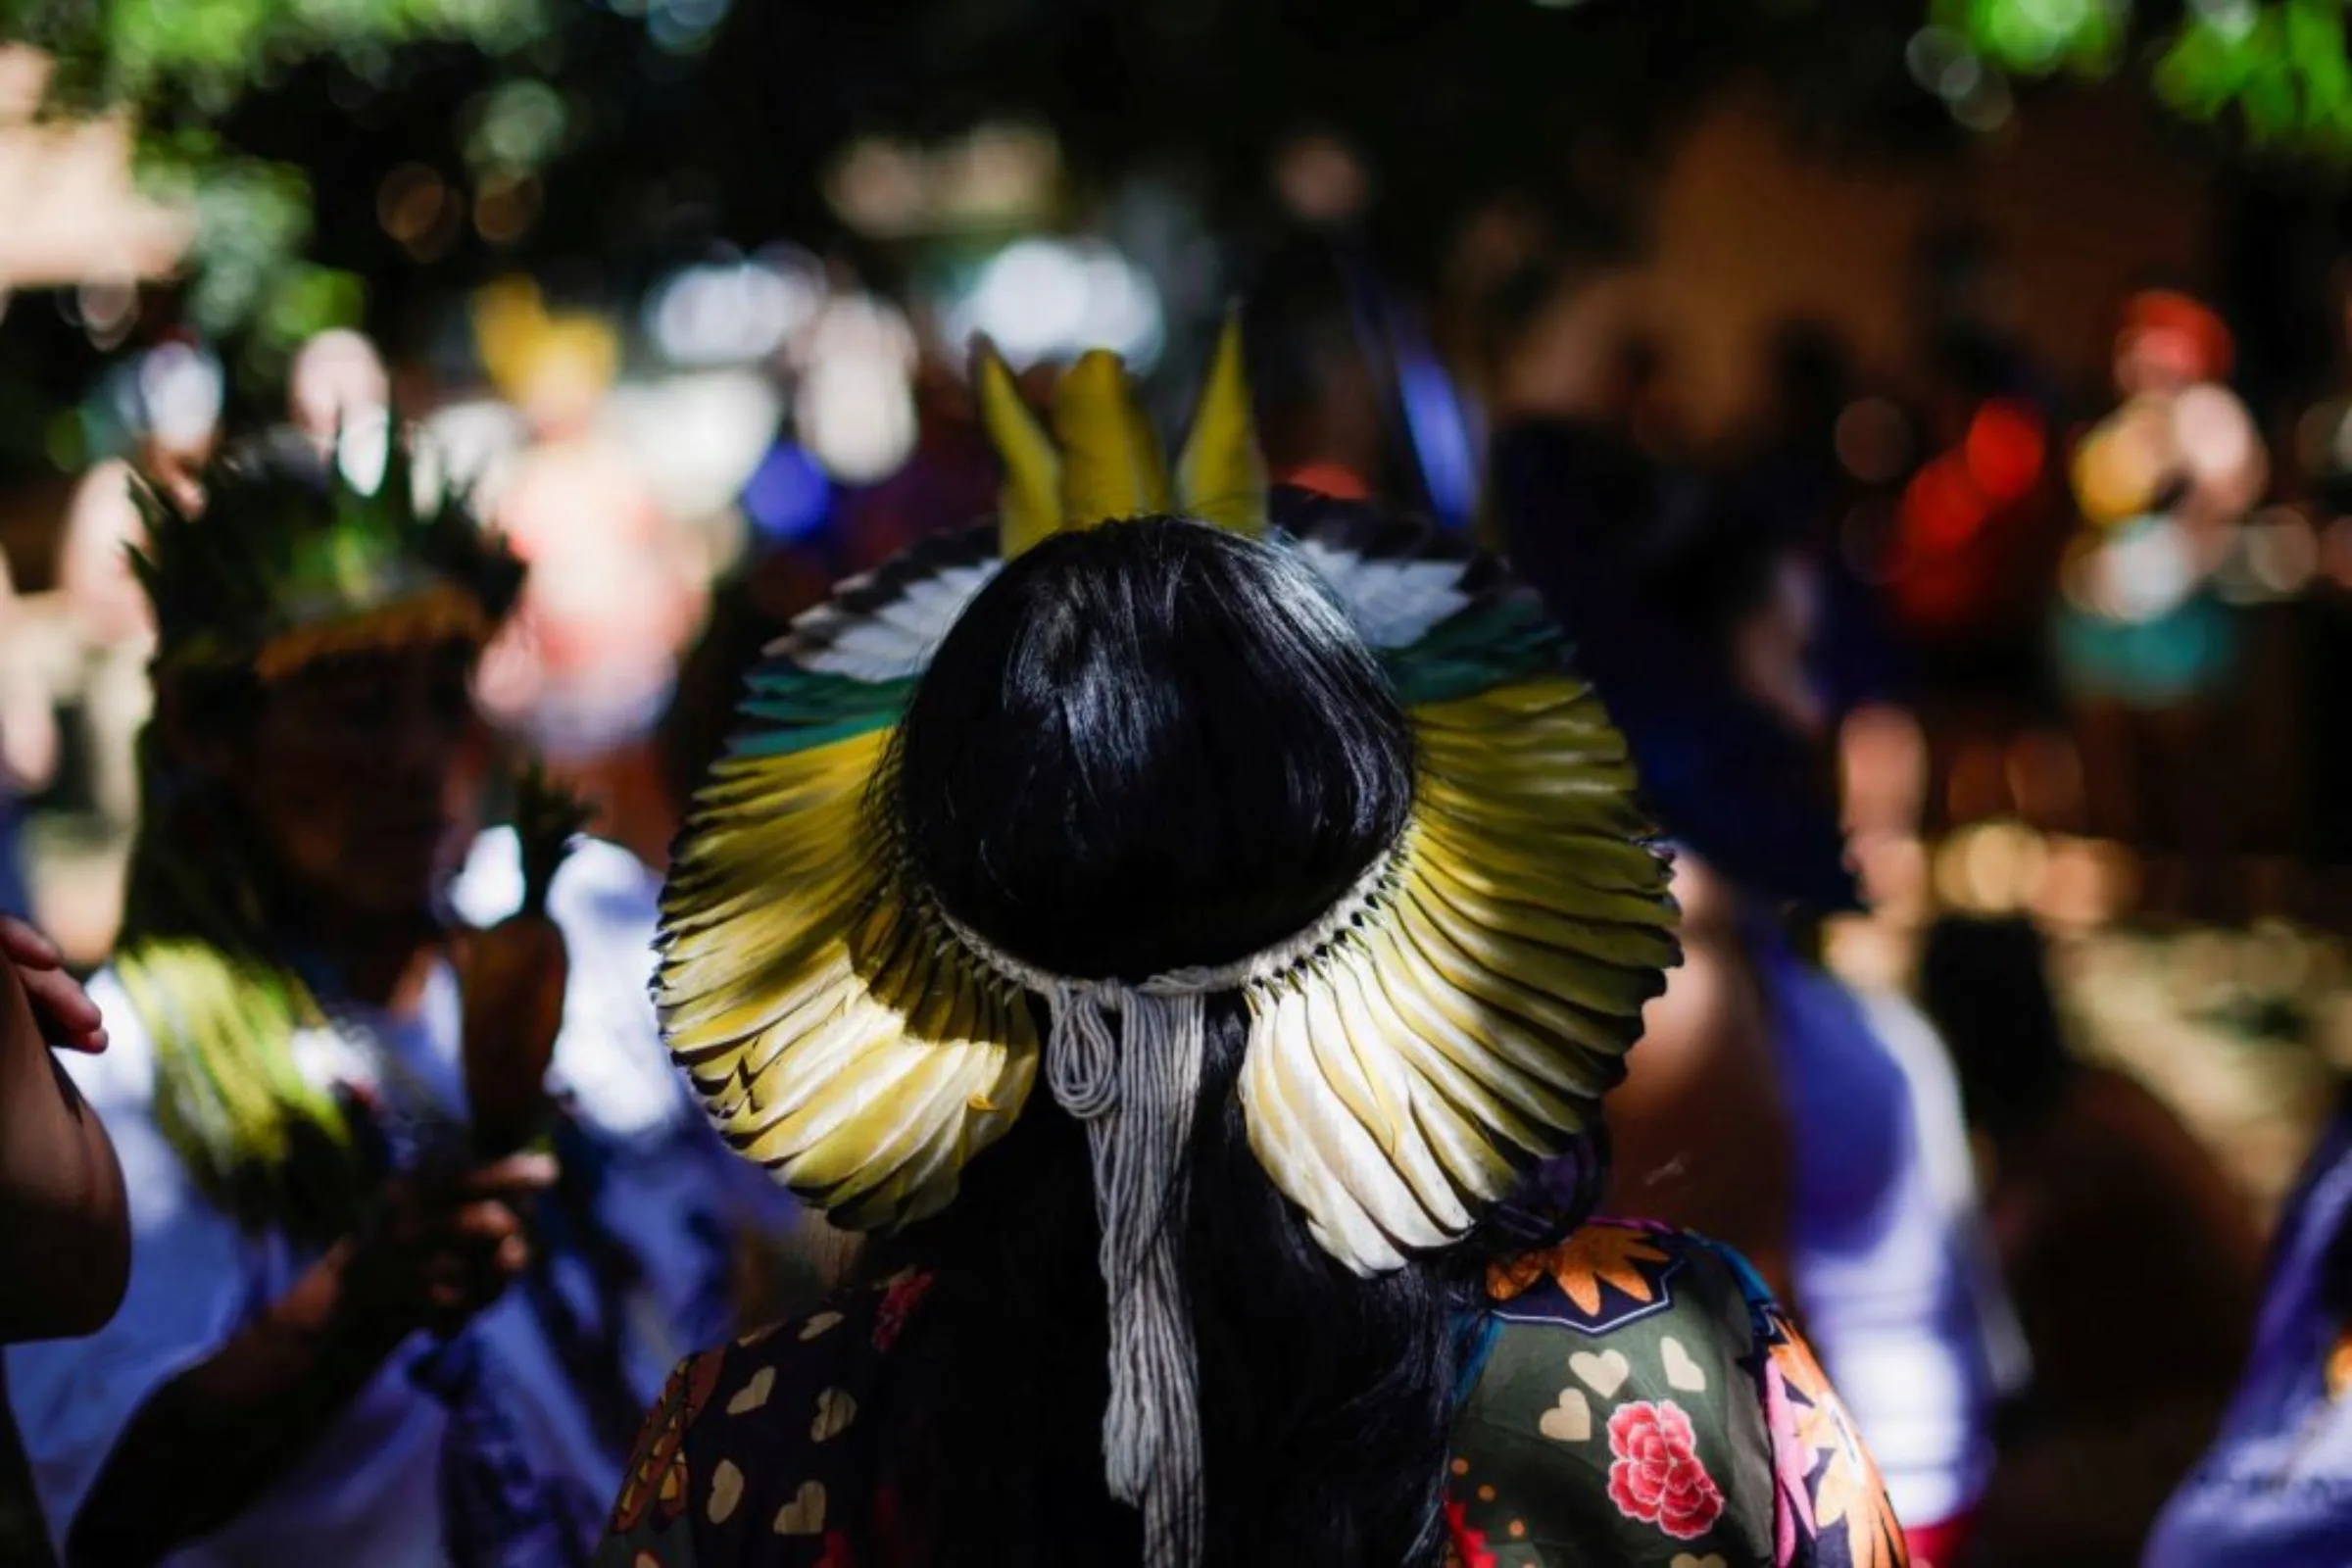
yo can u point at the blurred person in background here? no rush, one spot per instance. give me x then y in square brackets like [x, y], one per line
[1968, 560]
[2271, 1487]
[585, 669]
[1794, 467]
[337, 390]
[1816, 1122]
[1709, 1081]
[2325, 447]
[360, 1327]
[1161, 916]
[2133, 1264]
[178, 418]
[28, 747]
[336, 378]
[1319, 400]
[2146, 647]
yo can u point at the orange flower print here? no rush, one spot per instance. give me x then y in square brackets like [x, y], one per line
[657, 1474]
[1845, 1485]
[1592, 1256]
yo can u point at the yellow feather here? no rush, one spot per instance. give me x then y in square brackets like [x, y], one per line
[1485, 1097]
[1334, 1102]
[834, 1033]
[1494, 1050]
[1220, 477]
[1111, 462]
[1617, 989]
[1029, 505]
[1285, 1144]
[890, 1125]
[1514, 980]
[1371, 1053]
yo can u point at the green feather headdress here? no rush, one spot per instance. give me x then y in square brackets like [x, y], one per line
[285, 563]
[274, 570]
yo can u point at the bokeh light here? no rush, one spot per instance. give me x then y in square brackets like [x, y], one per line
[2005, 451]
[1045, 299]
[731, 312]
[1873, 440]
[421, 211]
[855, 407]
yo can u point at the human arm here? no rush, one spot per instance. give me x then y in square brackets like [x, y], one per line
[65, 1229]
[1639, 1399]
[210, 1439]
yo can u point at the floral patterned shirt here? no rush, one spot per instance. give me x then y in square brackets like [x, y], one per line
[1633, 1396]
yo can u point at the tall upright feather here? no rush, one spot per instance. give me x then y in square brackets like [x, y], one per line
[1220, 475]
[1029, 505]
[1111, 462]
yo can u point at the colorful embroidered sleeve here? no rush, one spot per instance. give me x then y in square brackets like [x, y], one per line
[1638, 1399]
[756, 1455]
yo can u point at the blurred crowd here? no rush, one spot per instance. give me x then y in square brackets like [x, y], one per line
[1986, 711]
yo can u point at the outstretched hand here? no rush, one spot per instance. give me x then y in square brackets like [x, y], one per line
[68, 1020]
[445, 1248]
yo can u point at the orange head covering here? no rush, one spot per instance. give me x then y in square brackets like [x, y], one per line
[2177, 314]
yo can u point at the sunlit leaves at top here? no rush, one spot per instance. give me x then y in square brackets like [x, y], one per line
[183, 62]
[2034, 38]
[214, 49]
[2277, 67]
[253, 220]
[2280, 66]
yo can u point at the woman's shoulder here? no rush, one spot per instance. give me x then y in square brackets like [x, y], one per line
[755, 1451]
[1611, 1274]
[1616, 1316]
[1635, 1394]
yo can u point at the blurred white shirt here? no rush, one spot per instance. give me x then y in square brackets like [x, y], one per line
[368, 1494]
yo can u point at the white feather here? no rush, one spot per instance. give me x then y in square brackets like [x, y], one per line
[898, 640]
[1393, 603]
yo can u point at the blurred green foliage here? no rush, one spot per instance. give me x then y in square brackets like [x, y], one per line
[184, 65]
[2034, 37]
[2280, 66]
[2276, 68]
[208, 53]
[799, 76]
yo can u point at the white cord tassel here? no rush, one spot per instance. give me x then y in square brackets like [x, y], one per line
[1136, 1095]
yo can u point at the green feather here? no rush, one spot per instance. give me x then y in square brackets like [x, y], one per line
[791, 710]
[1481, 648]
[270, 552]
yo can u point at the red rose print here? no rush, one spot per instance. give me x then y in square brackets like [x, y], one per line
[1465, 1548]
[1657, 1476]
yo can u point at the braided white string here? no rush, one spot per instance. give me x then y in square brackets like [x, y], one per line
[1135, 1093]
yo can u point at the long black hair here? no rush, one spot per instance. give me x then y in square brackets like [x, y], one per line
[1148, 746]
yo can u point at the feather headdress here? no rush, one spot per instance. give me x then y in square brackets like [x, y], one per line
[1453, 1018]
